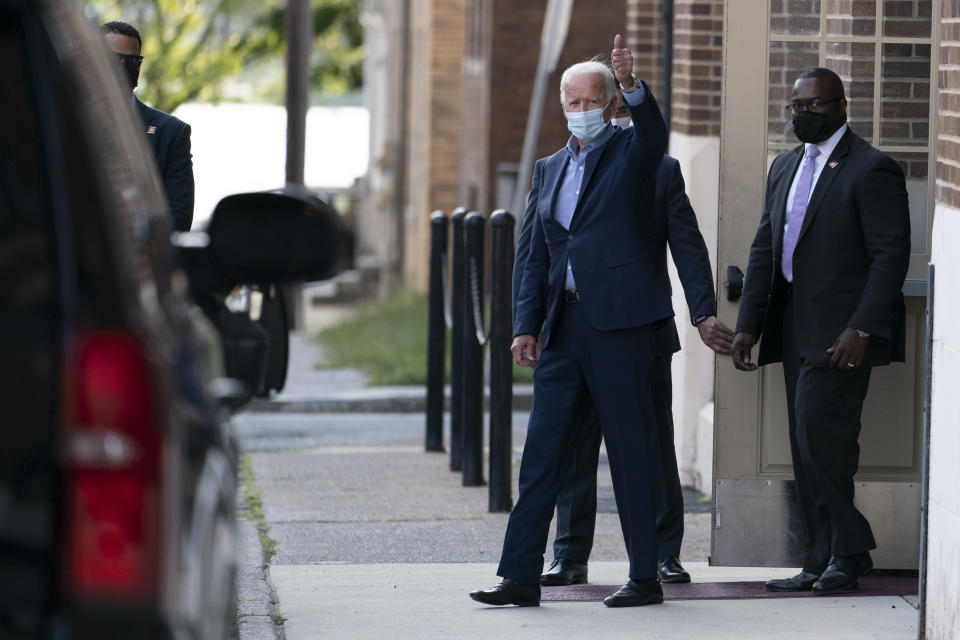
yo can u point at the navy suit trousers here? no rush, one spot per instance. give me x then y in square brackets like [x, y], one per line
[577, 502]
[582, 367]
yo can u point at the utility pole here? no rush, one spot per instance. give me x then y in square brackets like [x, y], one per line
[299, 31]
[299, 27]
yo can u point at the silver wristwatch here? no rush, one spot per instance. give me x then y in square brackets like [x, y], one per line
[636, 85]
[862, 334]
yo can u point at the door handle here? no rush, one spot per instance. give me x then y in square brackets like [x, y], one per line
[734, 283]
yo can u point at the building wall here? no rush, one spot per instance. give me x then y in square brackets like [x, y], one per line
[697, 67]
[942, 618]
[515, 49]
[382, 209]
[435, 103]
[695, 142]
[645, 39]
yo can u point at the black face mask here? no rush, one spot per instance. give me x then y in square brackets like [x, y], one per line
[811, 127]
[131, 68]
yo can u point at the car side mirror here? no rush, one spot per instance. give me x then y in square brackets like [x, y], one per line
[269, 237]
[275, 236]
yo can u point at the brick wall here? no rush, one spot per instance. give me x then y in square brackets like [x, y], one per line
[437, 47]
[645, 40]
[502, 49]
[474, 159]
[516, 31]
[948, 107]
[697, 67]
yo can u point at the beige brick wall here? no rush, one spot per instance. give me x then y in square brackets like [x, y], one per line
[948, 104]
[437, 47]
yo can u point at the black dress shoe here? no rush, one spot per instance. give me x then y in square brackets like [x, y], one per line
[510, 592]
[842, 573]
[670, 570]
[636, 594]
[563, 573]
[803, 581]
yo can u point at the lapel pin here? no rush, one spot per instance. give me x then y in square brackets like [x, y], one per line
[833, 164]
[151, 130]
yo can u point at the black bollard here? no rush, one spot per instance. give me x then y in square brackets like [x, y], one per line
[458, 333]
[474, 341]
[501, 361]
[436, 332]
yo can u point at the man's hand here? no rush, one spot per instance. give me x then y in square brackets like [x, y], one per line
[847, 352]
[742, 346]
[525, 350]
[715, 335]
[622, 61]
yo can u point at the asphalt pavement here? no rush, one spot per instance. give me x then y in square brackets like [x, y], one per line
[376, 538]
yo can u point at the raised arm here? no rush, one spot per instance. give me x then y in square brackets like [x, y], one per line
[649, 130]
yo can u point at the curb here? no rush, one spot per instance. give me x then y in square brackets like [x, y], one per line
[373, 400]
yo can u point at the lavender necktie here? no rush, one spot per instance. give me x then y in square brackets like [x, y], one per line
[798, 211]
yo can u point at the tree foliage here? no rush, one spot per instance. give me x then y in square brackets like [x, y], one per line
[190, 47]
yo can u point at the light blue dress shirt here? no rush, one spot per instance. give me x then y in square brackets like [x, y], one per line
[572, 180]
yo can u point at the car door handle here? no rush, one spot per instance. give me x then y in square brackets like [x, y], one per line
[734, 283]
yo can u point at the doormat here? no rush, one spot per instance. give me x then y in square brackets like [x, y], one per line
[869, 586]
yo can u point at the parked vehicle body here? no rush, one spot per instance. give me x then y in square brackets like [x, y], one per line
[117, 468]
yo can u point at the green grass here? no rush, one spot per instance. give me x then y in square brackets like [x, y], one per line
[254, 507]
[387, 340]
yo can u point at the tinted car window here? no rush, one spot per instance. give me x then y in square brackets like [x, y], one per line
[28, 342]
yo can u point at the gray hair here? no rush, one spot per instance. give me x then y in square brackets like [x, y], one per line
[590, 67]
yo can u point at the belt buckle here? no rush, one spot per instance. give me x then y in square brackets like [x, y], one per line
[571, 297]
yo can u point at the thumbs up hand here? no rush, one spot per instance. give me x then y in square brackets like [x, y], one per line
[622, 61]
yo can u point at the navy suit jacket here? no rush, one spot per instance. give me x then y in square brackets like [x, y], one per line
[672, 224]
[607, 242]
[849, 263]
[169, 137]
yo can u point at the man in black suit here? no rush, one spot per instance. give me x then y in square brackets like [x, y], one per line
[673, 223]
[169, 137]
[823, 289]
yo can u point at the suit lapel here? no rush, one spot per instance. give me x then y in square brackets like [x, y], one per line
[551, 180]
[779, 211]
[149, 124]
[589, 168]
[829, 173]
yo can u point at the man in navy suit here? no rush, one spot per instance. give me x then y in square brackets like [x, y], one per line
[824, 293]
[673, 223]
[588, 288]
[169, 137]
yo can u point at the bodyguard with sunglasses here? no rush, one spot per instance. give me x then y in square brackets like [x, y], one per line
[169, 137]
[823, 295]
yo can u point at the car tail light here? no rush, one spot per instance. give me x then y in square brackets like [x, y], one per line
[113, 451]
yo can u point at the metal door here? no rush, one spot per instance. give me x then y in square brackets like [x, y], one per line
[886, 64]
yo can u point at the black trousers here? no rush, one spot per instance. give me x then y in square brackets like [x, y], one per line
[582, 367]
[824, 407]
[577, 502]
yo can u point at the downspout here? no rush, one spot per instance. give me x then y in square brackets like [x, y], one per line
[667, 64]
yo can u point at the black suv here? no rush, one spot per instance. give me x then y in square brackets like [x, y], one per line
[119, 363]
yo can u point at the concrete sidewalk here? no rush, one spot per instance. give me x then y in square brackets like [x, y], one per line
[377, 539]
[430, 601]
[312, 390]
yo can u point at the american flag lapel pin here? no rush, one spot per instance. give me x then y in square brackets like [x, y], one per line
[151, 130]
[833, 164]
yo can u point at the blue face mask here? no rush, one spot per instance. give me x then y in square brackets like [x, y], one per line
[586, 125]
